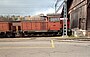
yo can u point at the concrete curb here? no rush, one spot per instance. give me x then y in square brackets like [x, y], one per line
[59, 38]
[19, 38]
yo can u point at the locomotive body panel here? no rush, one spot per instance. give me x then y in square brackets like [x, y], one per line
[54, 26]
[34, 26]
[4, 26]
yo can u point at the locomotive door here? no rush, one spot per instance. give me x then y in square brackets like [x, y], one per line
[16, 26]
[43, 26]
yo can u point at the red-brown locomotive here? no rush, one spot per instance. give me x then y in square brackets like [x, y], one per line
[49, 25]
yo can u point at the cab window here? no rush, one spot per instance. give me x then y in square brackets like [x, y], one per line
[54, 19]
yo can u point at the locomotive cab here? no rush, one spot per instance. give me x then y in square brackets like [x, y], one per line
[54, 23]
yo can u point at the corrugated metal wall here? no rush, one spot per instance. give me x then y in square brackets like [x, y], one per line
[78, 14]
[88, 16]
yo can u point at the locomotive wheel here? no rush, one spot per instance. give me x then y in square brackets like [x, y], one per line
[32, 35]
[2, 34]
[8, 35]
[43, 34]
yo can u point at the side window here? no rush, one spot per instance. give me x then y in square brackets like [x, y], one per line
[43, 18]
[54, 19]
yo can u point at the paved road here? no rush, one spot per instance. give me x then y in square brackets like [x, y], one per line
[44, 48]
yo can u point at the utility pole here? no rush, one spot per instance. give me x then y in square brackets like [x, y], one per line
[64, 4]
[65, 19]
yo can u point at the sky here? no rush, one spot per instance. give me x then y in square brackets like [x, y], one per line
[26, 7]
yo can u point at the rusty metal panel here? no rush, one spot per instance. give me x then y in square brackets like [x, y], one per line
[88, 19]
[77, 11]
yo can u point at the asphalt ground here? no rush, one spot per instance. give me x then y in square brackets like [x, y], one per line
[44, 47]
[46, 38]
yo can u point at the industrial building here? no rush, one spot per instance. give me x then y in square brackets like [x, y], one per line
[79, 14]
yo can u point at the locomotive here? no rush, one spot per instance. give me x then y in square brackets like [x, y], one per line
[49, 25]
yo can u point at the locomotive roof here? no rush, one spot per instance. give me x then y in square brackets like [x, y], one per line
[53, 14]
[10, 21]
